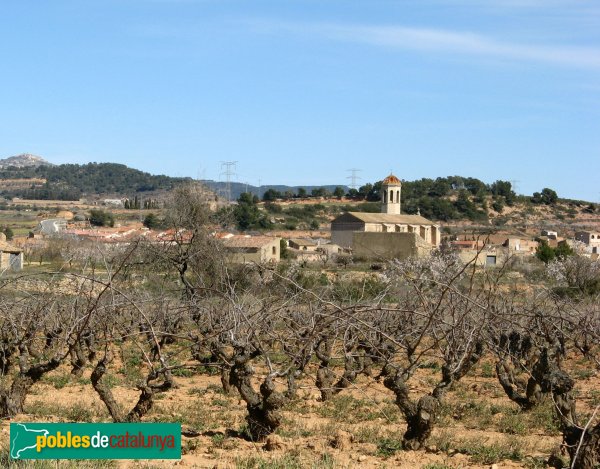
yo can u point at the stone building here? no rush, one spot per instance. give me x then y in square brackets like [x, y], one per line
[303, 244]
[11, 257]
[591, 239]
[249, 249]
[519, 245]
[388, 234]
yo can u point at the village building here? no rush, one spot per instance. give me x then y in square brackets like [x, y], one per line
[466, 244]
[252, 249]
[117, 203]
[553, 243]
[488, 256]
[518, 245]
[388, 234]
[550, 234]
[303, 244]
[11, 257]
[591, 239]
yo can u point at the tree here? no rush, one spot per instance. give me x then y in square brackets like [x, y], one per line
[271, 195]
[374, 194]
[576, 274]
[302, 192]
[319, 192]
[502, 188]
[474, 186]
[151, 221]
[544, 252]
[191, 251]
[353, 193]
[247, 214]
[463, 204]
[440, 188]
[548, 196]
[365, 189]
[563, 250]
[339, 192]
[8, 232]
[498, 205]
[101, 218]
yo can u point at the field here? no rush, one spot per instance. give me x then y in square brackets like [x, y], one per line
[359, 427]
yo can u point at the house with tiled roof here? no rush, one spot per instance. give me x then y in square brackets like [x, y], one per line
[252, 249]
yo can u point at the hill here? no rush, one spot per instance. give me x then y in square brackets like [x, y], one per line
[73, 181]
[25, 160]
[32, 177]
[454, 201]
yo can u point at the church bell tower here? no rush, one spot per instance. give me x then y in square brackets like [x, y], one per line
[390, 195]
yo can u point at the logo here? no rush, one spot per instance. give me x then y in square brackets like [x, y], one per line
[95, 441]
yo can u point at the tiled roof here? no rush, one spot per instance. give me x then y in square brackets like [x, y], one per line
[388, 218]
[7, 247]
[248, 241]
[303, 242]
[391, 179]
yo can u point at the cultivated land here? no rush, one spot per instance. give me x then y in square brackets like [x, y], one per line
[424, 364]
[479, 426]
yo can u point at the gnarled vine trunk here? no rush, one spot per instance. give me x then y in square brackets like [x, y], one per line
[583, 445]
[145, 400]
[420, 416]
[12, 400]
[264, 407]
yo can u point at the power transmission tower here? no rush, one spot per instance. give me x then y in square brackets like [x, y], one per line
[228, 170]
[353, 177]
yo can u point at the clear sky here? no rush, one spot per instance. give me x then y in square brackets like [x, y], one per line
[297, 92]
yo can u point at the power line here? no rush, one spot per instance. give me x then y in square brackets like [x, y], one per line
[353, 177]
[228, 170]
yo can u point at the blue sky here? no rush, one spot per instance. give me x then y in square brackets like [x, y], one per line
[297, 92]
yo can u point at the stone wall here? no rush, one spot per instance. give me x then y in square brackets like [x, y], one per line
[342, 234]
[369, 245]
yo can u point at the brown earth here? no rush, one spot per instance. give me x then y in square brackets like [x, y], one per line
[359, 428]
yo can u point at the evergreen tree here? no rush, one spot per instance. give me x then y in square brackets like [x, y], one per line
[151, 221]
[101, 218]
[544, 252]
[247, 215]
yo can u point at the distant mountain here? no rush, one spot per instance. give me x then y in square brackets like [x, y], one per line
[25, 160]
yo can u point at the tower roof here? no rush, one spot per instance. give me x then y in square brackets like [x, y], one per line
[391, 179]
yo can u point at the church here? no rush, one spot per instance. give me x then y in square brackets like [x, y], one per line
[388, 234]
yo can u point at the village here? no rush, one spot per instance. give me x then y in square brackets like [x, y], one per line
[352, 237]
